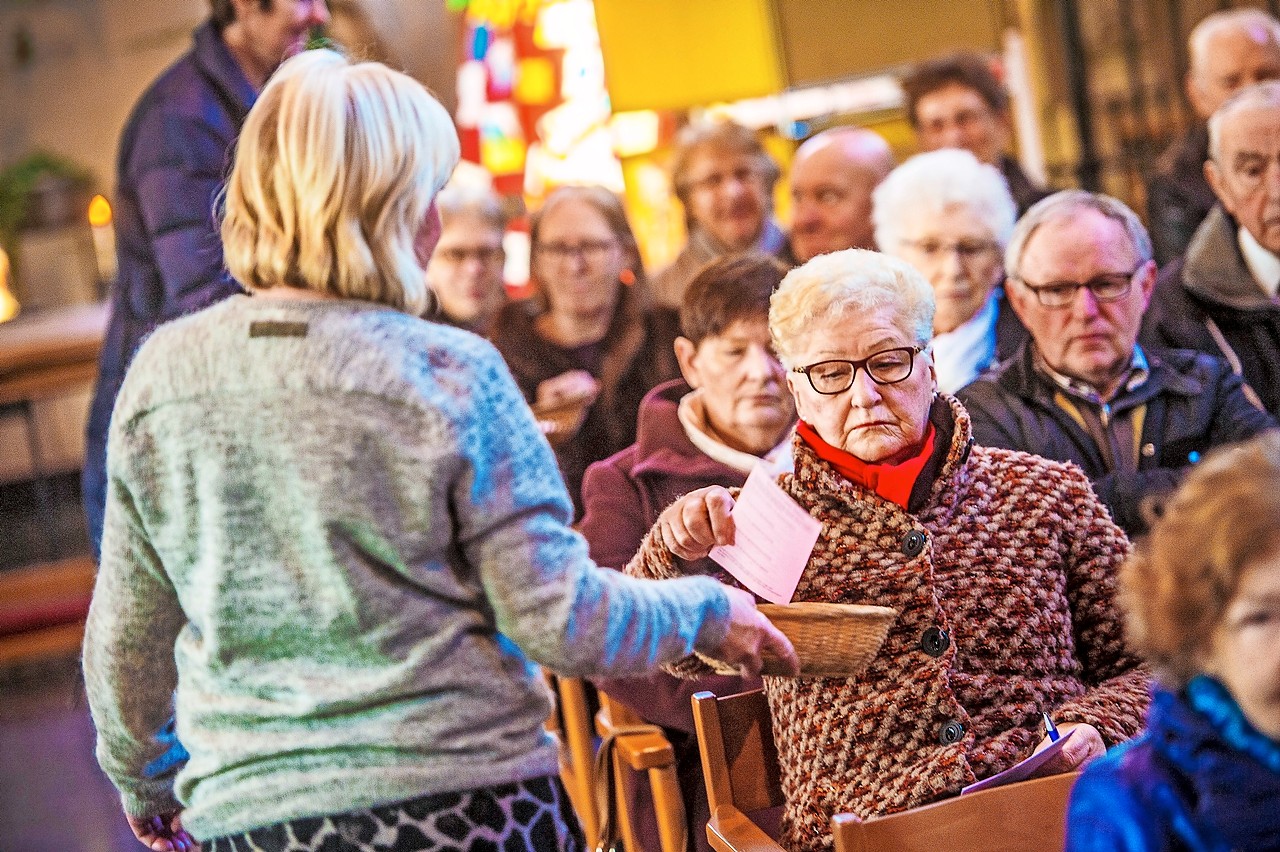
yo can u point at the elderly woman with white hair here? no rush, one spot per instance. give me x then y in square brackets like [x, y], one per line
[950, 216]
[465, 271]
[336, 542]
[1001, 565]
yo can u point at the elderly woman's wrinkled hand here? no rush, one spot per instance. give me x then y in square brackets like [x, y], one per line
[1083, 747]
[751, 637]
[697, 522]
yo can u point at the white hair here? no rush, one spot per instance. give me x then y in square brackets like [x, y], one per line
[1244, 20]
[1264, 94]
[1061, 205]
[933, 182]
[846, 282]
[455, 202]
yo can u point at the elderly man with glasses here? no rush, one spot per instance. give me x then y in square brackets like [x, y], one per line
[1080, 275]
[1221, 296]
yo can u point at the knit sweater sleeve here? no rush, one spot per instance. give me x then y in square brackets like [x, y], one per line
[133, 622]
[1118, 694]
[513, 516]
[655, 561]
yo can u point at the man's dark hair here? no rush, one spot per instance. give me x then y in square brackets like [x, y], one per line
[966, 69]
[223, 13]
[728, 289]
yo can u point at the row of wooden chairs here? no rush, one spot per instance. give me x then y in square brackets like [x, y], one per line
[640, 753]
[740, 764]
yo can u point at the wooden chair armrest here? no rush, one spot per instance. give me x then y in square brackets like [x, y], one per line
[733, 831]
[643, 752]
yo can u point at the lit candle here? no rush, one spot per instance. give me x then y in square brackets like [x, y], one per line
[104, 237]
[8, 304]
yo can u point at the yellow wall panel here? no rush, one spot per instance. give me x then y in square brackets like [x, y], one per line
[828, 40]
[675, 54]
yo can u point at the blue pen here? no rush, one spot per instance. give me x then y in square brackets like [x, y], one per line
[1050, 729]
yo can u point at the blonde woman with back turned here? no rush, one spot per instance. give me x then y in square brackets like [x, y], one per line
[336, 544]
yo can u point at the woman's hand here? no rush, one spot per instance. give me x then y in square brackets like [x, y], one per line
[1084, 747]
[562, 404]
[163, 833]
[575, 386]
[697, 522]
[751, 635]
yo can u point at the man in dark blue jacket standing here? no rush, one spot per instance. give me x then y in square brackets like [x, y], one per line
[174, 154]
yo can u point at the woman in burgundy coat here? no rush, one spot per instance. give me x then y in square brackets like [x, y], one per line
[731, 411]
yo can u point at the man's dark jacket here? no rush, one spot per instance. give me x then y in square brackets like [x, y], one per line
[1178, 194]
[174, 157]
[1213, 284]
[1194, 403]
[1024, 192]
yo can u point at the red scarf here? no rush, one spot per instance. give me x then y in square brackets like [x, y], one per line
[891, 481]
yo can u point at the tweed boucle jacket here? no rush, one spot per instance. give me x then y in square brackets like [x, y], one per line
[1003, 577]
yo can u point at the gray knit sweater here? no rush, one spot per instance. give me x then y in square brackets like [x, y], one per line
[335, 541]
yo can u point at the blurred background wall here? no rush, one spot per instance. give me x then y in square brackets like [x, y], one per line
[70, 70]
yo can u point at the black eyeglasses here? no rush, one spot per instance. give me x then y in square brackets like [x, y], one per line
[1105, 288]
[885, 368]
[967, 250]
[485, 255]
[591, 251]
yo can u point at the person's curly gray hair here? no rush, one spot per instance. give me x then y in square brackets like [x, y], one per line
[933, 182]
[844, 283]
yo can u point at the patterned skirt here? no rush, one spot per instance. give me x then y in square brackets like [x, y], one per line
[527, 816]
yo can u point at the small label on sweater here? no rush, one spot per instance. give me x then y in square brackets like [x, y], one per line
[277, 328]
[772, 540]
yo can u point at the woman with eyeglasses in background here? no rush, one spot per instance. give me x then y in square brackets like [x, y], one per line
[465, 272]
[950, 216]
[1001, 565]
[587, 348]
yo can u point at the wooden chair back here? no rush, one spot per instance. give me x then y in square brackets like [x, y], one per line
[740, 764]
[1029, 816]
[570, 722]
[642, 754]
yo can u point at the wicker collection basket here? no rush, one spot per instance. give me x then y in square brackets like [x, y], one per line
[832, 640]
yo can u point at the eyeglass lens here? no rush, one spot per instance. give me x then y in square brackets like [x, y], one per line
[590, 250]
[885, 368]
[484, 254]
[966, 249]
[1105, 288]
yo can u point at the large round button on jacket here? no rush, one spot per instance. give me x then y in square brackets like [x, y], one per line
[951, 733]
[935, 641]
[913, 543]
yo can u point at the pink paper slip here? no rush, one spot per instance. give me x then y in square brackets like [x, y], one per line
[1019, 771]
[773, 537]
